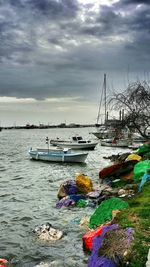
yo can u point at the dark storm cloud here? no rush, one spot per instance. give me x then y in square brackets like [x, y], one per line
[140, 21]
[24, 22]
[105, 23]
[40, 84]
[16, 3]
[136, 23]
[134, 2]
[132, 25]
[111, 20]
[55, 9]
[51, 8]
[52, 48]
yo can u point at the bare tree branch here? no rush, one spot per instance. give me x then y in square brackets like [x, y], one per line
[135, 101]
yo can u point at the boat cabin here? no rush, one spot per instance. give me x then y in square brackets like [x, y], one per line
[79, 140]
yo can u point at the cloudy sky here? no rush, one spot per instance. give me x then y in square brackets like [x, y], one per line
[54, 53]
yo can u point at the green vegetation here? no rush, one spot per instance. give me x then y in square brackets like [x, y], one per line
[138, 217]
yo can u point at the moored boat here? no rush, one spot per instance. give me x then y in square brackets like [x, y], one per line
[58, 155]
[104, 132]
[77, 142]
[115, 142]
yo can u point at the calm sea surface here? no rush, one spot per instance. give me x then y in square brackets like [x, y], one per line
[28, 195]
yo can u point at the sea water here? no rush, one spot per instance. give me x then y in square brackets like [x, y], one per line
[28, 196]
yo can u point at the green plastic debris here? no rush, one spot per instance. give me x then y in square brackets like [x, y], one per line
[82, 203]
[143, 149]
[118, 182]
[103, 213]
[140, 168]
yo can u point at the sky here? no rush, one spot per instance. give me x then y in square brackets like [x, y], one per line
[54, 53]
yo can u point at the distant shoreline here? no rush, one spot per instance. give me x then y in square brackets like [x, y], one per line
[28, 127]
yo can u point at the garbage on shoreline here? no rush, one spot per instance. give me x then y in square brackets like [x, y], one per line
[109, 243]
[103, 212]
[111, 247]
[78, 192]
[3, 262]
[47, 232]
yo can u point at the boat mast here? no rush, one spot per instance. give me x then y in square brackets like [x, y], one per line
[101, 100]
[105, 98]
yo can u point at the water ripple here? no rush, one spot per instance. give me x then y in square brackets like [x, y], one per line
[28, 194]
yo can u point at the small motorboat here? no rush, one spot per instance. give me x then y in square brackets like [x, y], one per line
[77, 142]
[58, 155]
[115, 142]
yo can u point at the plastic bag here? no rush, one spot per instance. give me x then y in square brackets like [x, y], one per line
[143, 149]
[90, 235]
[140, 168]
[97, 261]
[103, 213]
[84, 183]
[134, 157]
[145, 178]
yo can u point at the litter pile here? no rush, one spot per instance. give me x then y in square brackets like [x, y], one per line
[47, 232]
[110, 244]
[78, 192]
[3, 263]
[111, 247]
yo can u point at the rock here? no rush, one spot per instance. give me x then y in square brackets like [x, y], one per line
[131, 186]
[122, 192]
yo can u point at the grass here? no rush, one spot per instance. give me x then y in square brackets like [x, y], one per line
[138, 217]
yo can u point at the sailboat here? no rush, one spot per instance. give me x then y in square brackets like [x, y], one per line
[111, 132]
[103, 131]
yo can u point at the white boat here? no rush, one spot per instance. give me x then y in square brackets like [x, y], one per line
[77, 142]
[137, 138]
[115, 142]
[58, 155]
[104, 132]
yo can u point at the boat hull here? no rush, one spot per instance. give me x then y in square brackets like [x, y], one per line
[88, 146]
[59, 157]
[119, 143]
[103, 135]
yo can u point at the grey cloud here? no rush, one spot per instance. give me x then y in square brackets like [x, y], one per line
[105, 23]
[16, 3]
[51, 55]
[41, 83]
[140, 20]
[55, 9]
[24, 22]
[133, 2]
[111, 22]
